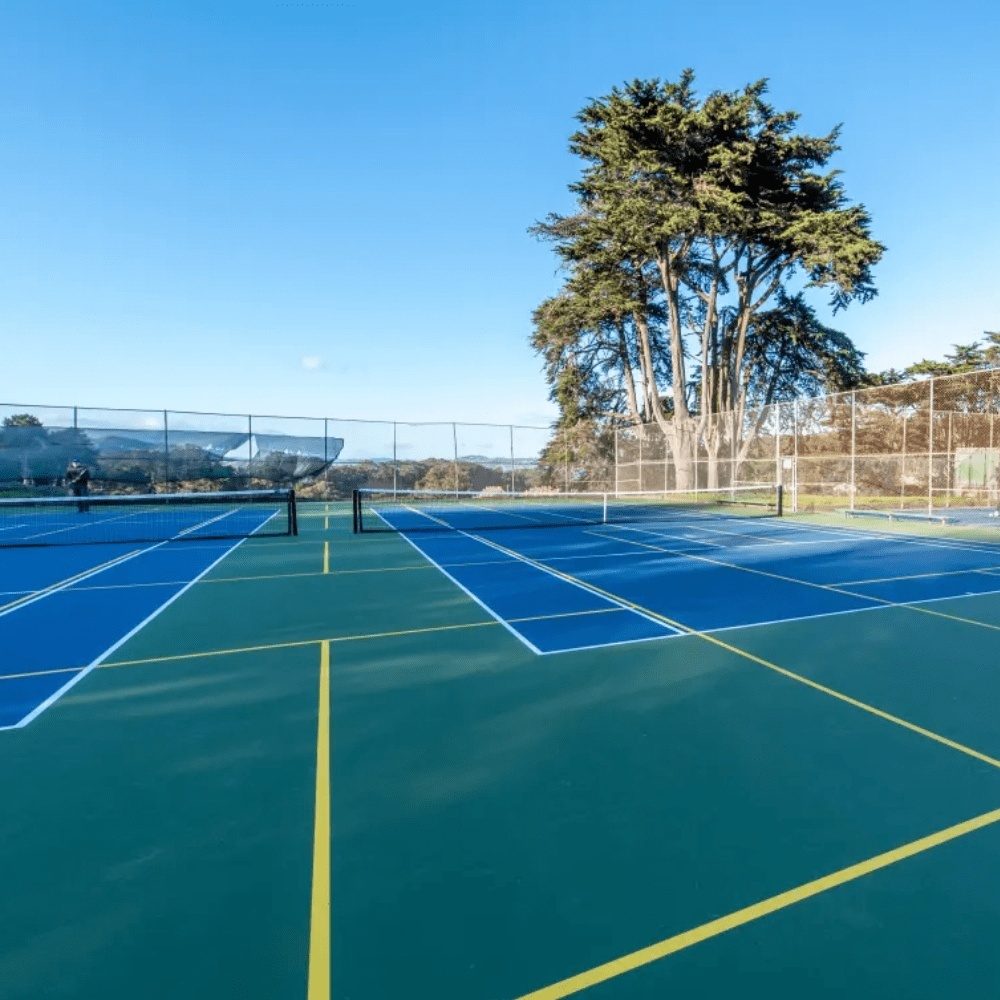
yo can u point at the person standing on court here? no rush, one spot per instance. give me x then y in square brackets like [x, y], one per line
[78, 477]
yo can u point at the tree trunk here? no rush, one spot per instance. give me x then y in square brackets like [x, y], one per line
[628, 375]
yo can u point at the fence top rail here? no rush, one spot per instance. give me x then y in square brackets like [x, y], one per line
[274, 416]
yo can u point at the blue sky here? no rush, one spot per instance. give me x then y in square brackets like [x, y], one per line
[321, 209]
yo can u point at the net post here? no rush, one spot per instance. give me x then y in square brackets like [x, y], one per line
[781, 500]
[355, 511]
[293, 514]
[604, 514]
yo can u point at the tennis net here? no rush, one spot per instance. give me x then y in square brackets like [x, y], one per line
[156, 517]
[433, 510]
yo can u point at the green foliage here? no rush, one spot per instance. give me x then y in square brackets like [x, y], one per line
[435, 474]
[31, 453]
[980, 354]
[580, 457]
[790, 353]
[693, 217]
[445, 476]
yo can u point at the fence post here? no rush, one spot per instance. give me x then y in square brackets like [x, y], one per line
[854, 445]
[249, 450]
[395, 462]
[666, 464]
[512, 484]
[454, 445]
[949, 483]
[642, 434]
[732, 454]
[795, 456]
[930, 455]
[777, 443]
[166, 452]
[566, 455]
[990, 466]
[902, 467]
[326, 460]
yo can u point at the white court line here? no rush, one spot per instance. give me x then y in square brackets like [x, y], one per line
[785, 621]
[877, 604]
[868, 535]
[580, 585]
[465, 590]
[76, 678]
[97, 570]
[856, 534]
[90, 524]
[79, 578]
[618, 642]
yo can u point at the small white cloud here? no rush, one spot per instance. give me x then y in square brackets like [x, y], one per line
[311, 362]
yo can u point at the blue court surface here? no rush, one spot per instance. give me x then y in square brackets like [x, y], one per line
[68, 600]
[584, 587]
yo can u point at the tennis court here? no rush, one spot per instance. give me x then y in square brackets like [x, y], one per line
[499, 747]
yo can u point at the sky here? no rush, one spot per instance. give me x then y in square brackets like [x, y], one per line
[322, 209]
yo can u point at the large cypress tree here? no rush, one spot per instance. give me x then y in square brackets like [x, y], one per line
[694, 221]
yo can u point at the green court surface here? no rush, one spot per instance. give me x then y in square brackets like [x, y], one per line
[327, 771]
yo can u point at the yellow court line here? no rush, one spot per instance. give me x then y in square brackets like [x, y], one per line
[326, 557]
[784, 672]
[291, 576]
[213, 652]
[309, 642]
[298, 642]
[671, 945]
[65, 583]
[832, 588]
[326, 523]
[245, 579]
[319, 923]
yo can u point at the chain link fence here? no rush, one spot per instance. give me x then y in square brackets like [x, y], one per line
[142, 451]
[924, 445]
[918, 445]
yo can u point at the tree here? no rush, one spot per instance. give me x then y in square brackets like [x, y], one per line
[443, 475]
[978, 355]
[22, 420]
[692, 217]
